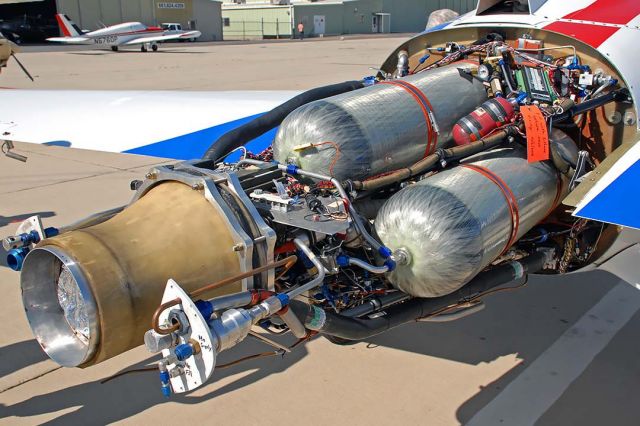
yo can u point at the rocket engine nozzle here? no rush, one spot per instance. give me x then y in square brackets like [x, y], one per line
[89, 293]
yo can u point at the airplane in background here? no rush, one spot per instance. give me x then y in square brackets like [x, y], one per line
[119, 35]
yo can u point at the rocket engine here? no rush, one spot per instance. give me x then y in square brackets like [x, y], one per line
[402, 198]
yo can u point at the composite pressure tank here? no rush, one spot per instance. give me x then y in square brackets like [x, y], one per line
[455, 223]
[379, 128]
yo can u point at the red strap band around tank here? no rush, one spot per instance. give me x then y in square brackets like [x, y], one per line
[556, 200]
[420, 94]
[425, 106]
[512, 202]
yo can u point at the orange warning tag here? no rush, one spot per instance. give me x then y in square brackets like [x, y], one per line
[537, 133]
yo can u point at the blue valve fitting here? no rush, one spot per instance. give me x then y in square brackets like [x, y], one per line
[15, 258]
[574, 65]
[424, 58]
[292, 169]
[369, 80]
[165, 380]
[183, 351]
[390, 264]
[522, 96]
[544, 236]
[205, 307]
[342, 260]
[28, 238]
[305, 259]
[51, 232]
[284, 299]
[166, 390]
[385, 252]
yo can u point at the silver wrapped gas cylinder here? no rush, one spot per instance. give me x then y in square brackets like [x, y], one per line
[455, 223]
[379, 128]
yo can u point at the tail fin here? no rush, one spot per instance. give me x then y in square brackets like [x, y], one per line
[67, 26]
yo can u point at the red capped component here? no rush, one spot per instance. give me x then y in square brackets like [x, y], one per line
[490, 115]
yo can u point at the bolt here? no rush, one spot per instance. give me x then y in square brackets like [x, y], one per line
[238, 247]
[615, 117]
[197, 186]
[151, 175]
[135, 184]
[629, 118]
[402, 256]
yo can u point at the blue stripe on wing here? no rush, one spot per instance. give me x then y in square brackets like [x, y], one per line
[619, 202]
[193, 145]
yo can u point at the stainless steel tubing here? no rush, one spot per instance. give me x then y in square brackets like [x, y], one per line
[235, 300]
[352, 211]
[293, 322]
[367, 266]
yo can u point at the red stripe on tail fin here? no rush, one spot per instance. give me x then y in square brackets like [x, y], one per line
[67, 26]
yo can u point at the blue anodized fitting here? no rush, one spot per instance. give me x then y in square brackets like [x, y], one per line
[284, 299]
[165, 378]
[342, 260]
[390, 264]
[424, 58]
[15, 258]
[292, 169]
[205, 307]
[385, 252]
[183, 351]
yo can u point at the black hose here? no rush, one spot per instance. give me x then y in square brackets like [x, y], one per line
[363, 328]
[620, 95]
[429, 162]
[272, 119]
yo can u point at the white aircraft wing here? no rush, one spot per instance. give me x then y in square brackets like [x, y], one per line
[183, 36]
[70, 40]
[170, 124]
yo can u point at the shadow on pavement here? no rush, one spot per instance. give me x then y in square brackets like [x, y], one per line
[523, 322]
[6, 220]
[20, 355]
[128, 395]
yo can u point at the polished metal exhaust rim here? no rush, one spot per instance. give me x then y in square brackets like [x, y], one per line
[60, 306]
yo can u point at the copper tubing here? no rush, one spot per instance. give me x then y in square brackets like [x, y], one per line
[430, 161]
[155, 320]
[287, 263]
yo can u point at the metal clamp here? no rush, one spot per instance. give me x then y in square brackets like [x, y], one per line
[207, 181]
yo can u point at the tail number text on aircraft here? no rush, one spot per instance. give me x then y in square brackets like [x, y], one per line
[105, 40]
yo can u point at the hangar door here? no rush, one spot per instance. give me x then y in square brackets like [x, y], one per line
[319, 24]
[381, 23]
[28, 21]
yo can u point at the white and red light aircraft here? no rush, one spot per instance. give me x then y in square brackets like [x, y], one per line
[120, 35]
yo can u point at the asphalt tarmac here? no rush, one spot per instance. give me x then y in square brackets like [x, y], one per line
[557, 351]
